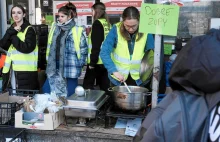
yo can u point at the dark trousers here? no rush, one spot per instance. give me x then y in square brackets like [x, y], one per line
[100, 74]
[5, 81]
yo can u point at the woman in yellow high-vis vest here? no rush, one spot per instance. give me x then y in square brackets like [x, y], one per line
[22, 56]
[124, 48]
[95, 69]
[66, 53]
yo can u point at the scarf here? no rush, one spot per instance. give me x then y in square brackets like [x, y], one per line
[55, 76]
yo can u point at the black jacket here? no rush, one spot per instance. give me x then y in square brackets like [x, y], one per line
[24, 79]
[184, 114]
[97, 38]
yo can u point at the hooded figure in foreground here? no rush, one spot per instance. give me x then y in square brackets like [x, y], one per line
[191, 112]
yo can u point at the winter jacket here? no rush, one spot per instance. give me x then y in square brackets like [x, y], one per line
[24, 79]
[72, 65]
[184, 115]
[97, 38]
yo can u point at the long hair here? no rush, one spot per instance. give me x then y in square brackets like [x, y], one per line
[99, 9]
[129, 13]
[69, 9]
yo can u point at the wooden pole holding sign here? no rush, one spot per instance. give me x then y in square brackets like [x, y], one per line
[159, 20]
[156, 70]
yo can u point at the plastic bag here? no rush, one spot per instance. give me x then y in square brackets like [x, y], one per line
[58, 84]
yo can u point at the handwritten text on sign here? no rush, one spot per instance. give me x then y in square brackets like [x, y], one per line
[159, 19]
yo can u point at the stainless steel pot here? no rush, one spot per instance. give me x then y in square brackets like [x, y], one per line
[133, 101]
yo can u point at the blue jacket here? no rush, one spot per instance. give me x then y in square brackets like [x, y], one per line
[110, 43]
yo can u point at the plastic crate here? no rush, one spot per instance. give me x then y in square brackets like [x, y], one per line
[7, 110]
[22, 92]
[12, 134]
[7, 113]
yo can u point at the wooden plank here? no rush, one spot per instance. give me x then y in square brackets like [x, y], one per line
[156, 70]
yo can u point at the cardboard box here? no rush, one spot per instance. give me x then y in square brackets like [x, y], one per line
[11, 99]
[40, 121]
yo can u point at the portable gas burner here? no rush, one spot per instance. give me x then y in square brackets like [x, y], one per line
[114, 111]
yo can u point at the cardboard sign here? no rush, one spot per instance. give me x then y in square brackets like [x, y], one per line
[159, 19]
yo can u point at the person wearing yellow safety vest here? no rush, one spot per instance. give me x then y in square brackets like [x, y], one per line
[66, 53]
[22, 54]
[124, 48]
[95, 69]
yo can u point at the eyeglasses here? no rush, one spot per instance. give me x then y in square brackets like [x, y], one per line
[134, 27]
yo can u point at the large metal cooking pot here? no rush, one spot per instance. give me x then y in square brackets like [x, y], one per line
[133, 101]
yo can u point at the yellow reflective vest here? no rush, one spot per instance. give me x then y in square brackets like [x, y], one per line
[21, 61]
[121, 56]
[106, 31]
[76, 33]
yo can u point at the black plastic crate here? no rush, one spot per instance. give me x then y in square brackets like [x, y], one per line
[7, 113]
[11, 134]
[7, 110]
[22, 92]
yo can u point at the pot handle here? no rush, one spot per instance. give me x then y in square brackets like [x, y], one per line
[147, 94]
[110, 89]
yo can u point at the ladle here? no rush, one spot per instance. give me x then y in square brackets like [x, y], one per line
[127, 87]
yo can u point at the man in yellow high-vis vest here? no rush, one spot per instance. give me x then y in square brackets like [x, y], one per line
[124, 48]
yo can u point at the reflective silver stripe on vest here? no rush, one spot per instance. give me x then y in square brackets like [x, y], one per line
[90, 46]
[134, 71]
[90, 54]
[78, 52]
[17, 52]
[121, 70]
[7, 65]
[9, 54]
[126, 61]
[126, 71]
[24, 62]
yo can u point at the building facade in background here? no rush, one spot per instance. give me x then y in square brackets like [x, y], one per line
[194, 17]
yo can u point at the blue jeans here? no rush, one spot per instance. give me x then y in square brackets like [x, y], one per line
[72, 83]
